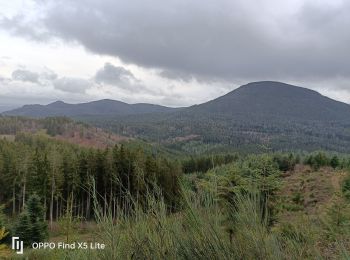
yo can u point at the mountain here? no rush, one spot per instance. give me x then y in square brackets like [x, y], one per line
[275, 99]
[100, 107]
[261, 116]
[258, 116]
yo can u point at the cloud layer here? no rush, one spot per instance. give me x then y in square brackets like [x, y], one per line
[217, 39]
[210, 42]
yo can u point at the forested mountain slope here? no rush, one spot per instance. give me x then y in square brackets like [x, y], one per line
[275, 99]
[261, 115]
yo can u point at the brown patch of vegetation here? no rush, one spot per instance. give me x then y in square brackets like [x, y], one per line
[185, 138]
[7, 137]
[91, 137]
[310, 191]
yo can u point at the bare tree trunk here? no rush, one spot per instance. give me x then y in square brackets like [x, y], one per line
[111, 194]
[57, 212]
[51, 201]
[71, 205]
[105, 204]
[13, 200]
[24, 193]
[78, 208]
[82, 206]
[88, 206]
[45, 208]
[61, 206]
[114, 208]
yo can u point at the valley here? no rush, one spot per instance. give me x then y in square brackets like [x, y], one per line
[262, 171]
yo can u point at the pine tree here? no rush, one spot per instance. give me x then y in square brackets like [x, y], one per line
[37, 222]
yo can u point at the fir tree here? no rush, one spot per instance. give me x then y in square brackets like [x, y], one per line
[31, 226]
[23, 228]
[37, 222]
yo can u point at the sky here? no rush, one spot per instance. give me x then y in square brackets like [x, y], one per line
[173, 53]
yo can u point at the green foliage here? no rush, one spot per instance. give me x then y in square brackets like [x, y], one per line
[258, 175]
[54, 170]
[68, 223]
[23, 228]
[2, 217]
[37, 218]
[224, 132]
[334, 162]
[298, 198]
[317, 160]
[3, 227]
[346, 187]
[56, 125]
[286, 162]
[31, 226]
[204, 163]
[3, 235]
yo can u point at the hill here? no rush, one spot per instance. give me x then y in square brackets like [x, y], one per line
[275, 99]
[100, 107]
[259, 116]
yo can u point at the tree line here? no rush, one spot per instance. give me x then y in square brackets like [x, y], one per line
[64, 175]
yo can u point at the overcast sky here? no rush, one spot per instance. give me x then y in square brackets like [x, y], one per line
[174, 52]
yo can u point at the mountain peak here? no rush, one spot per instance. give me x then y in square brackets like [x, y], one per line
[58, 102]
[276, 99]
[275, 86]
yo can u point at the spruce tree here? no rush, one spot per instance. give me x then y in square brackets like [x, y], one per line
[23, 228]
[31, 226]
[36, 218]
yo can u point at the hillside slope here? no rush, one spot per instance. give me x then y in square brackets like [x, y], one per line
[259, 116]
[275, 99]
[58, 128]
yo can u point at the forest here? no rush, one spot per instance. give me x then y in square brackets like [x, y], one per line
[244, 133]
[57, 172]
[148, 203]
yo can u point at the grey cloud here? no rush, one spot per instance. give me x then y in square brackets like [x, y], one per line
[72, 85]
[121, 78]
[232, 41]
[19, 25]
[113, 75]
[176, 75]
[48, 75]
[25, 75]
[220, 39]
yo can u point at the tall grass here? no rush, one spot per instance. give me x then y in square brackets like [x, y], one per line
[205, 228]
[202, 230]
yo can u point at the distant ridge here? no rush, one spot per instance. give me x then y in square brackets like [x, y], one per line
[100, 107]
[260, 115]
